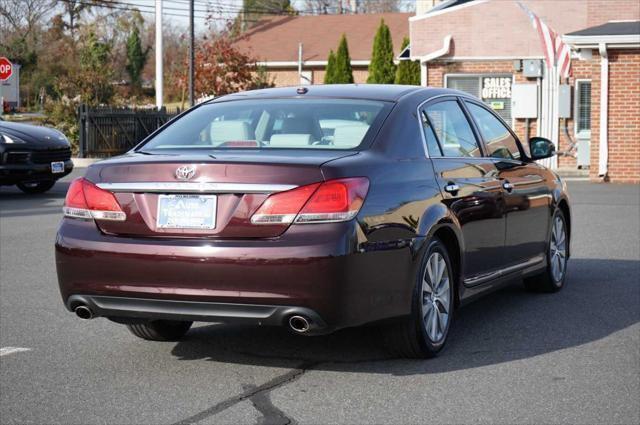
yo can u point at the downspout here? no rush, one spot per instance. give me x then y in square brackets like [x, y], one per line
[424, 74]
[444, 50]
[301, 77]
[603, 154]
[299, 63]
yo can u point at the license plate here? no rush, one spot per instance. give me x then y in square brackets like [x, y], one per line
[57, 167]
[187, 211]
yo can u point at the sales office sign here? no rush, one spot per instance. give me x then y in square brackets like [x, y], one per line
[496, 88]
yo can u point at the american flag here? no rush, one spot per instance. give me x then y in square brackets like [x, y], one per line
[556, 52]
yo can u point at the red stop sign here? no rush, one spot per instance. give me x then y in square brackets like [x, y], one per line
[6, 69]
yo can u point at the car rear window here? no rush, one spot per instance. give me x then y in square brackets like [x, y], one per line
[272, 123]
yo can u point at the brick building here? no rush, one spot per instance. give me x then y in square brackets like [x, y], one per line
[614, 121]
[275, 42]
[489, 48]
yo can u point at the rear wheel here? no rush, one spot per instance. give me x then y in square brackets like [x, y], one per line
[36, 187]
[425, 332]
[160, 330]
[553, 277]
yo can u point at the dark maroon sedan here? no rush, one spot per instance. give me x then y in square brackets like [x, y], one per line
[316, 209]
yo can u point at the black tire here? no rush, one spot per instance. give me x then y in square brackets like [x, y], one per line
[409, 337]
[36, 187]
[160, 330]
[546, 281]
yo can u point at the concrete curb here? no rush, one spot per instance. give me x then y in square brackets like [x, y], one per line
[572, 173]
[576, 179]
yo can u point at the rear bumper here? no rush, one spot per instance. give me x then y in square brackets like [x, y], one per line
[316, 267]
[17, 173]
[142, 308]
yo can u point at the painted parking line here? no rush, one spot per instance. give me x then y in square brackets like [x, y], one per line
[10, 350]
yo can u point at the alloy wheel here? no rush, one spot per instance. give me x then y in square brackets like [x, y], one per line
[558, 249]
[436, 299]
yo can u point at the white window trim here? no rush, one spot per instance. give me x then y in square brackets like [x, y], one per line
[581, 134]
[484, 74]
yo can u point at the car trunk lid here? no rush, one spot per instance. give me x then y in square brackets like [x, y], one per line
[239, 182]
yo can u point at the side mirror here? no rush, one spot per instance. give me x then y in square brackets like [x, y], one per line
[541, 148]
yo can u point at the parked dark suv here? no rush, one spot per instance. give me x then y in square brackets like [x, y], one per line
[315, 208]
[32, 157]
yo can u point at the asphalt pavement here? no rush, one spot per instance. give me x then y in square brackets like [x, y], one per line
[513, 357]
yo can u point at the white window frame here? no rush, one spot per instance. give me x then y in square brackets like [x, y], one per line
[584, 134]
[484, 74]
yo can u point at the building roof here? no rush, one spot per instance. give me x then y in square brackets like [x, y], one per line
[622, 34]
[275, 39]
[610, 28]
[501, 30]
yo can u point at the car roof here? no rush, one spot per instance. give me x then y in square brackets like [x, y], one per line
[385, 92]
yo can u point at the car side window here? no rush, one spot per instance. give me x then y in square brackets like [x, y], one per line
[429, 136]
[499, 140]
[452, 130]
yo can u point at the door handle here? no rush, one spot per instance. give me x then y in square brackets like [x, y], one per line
[451, 188]
[507, 186]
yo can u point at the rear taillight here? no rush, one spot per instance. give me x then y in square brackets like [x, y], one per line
[330, 201]
[86, 200]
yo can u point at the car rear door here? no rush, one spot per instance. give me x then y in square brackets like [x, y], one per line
[469, 183]
[527, 194]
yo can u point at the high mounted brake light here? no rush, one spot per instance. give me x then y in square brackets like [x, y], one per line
[327, 202]
[86, 200]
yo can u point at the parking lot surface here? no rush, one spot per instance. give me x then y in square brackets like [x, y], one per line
[513, 357]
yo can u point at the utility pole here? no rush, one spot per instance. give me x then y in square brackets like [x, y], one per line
[191, 52]
[159, 71]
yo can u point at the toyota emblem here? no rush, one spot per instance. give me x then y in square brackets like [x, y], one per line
[185, 172]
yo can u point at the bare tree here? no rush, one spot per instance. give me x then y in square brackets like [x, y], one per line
[73, 9]
[21, 16]
[378, 6]
[324, 7]
[321, 7]
[21, 22]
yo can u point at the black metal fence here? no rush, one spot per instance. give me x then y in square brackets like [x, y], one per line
[107, 131]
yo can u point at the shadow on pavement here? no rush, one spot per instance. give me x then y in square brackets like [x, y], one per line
[601, 298]
[15, 203]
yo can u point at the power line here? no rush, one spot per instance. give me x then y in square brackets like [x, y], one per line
[213, 9]
[114, 6]
[164, 7]
[206, 14]
[235, 8]
[203, 14]
[232, 8]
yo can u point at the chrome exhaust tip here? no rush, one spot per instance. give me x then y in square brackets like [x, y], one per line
[83, 312]
[299, 324]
